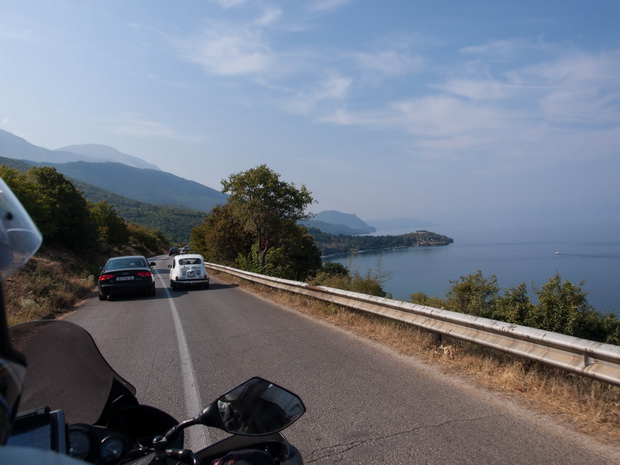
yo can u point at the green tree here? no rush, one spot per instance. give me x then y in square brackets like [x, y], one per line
[515, 306]
[265, 206]
[474, 294]
[145, 240]
[293, 256]
[610, 329]
[563, 308]
[56, 206]
[112, 228]
[29, 194]
[221, 238]
[298, 256]
[334, 269]
[74, 228]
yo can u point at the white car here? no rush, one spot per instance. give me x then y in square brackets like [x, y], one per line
[188, 270]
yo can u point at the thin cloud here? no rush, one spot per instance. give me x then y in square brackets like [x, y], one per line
[323, 5]
[491, 105]
[509, 49]
[445, 116]
[496, 48]
[228, 50]
[562, 109]
[577, 88]
[333, 88]
[389, 62]
[229, 3]
[478, 89]
[269, 16]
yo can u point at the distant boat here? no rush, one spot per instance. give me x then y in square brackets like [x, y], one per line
[557, 253]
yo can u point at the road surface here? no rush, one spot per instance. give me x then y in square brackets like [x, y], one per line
[366, 404]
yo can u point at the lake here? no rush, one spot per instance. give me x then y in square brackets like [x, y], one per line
[430, 269]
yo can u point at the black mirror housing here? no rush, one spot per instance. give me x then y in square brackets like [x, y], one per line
[255, 408]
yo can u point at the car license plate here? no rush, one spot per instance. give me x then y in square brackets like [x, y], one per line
[124, 278]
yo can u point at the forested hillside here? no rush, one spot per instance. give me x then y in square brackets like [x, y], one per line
[146, 185]
[175, 222]
[331, 244]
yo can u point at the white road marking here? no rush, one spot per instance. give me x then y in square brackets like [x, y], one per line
[196, 437]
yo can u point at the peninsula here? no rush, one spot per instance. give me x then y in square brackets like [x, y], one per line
[333, 244]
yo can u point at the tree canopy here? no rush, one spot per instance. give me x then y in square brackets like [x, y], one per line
[257, 230]
[264, 206]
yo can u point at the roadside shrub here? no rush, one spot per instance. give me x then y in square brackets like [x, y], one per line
[421, 298]
[474, 294]
[562, 307]
[338, 276]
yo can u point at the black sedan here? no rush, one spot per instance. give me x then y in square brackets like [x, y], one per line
[126, 275]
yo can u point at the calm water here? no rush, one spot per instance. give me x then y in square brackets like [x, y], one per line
[430, 269]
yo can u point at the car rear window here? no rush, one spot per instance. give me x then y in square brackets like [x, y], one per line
[126, 263]
[189, 261]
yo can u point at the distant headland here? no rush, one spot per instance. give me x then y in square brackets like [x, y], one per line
[332, 244]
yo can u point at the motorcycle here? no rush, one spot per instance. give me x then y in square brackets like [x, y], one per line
[97, 417]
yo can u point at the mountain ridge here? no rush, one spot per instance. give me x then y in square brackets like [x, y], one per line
[144, 183]
[335, 222]
[105, 153]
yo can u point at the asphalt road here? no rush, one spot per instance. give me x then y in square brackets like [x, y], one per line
[366, 405]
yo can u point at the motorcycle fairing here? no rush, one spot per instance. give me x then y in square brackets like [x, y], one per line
[65, 370]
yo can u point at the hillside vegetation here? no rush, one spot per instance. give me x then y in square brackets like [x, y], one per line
[174, 222]
[146, 185]
[77, 237]
[561, 307]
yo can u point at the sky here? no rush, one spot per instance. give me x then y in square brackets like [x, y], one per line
[482, 117]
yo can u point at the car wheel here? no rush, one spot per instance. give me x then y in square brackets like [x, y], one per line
[205, 286]
[173, 286]
[152, 292]
[103, 297]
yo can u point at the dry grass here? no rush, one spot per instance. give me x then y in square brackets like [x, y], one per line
[588, 405]
[51, 283]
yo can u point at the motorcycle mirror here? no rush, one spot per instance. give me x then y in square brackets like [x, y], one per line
[255, 408]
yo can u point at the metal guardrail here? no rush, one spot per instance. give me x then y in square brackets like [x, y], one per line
[587, 358]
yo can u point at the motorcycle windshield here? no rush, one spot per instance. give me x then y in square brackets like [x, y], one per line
[65, 370]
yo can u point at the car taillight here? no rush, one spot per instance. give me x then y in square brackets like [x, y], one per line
[105, 277]
[144, 274]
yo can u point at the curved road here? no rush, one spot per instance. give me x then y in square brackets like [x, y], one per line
[366, 405]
